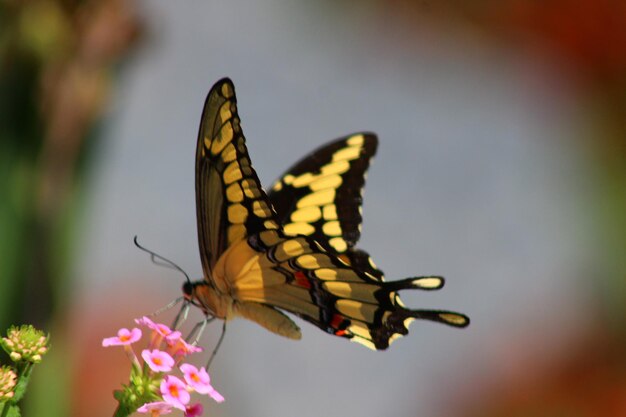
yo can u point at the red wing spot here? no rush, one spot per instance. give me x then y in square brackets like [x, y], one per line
[302, 280]
[336, 322]
[340, 333]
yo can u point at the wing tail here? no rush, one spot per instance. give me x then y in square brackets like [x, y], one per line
[427, 283]
[451, 318]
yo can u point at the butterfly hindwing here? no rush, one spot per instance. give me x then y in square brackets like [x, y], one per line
[338, 298]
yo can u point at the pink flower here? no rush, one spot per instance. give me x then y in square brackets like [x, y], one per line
[173, 337]
[174, 392]
[194, 410]
[166, 349]
[158, 360]
[179, 346]
[160, 407]
[124, 337]
[160, 328]
[159, 331]
[199, 380]
[215, 395]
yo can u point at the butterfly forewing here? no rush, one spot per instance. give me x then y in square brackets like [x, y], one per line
[321, 195]
[340, 168]
[230, 202]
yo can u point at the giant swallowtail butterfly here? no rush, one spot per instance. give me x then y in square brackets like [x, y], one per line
[294, 249]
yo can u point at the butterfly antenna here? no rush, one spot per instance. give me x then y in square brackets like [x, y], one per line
[219, 343]
[161, 261]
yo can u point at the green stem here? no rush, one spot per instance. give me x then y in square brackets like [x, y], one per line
[119, 412]
[5, 409]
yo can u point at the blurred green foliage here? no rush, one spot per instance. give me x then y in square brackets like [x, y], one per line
[56, 62]
[55, 70]
[21, 137]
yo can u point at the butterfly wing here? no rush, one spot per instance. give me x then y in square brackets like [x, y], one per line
[253, 268]
[230, 202]
[321, 195]
[297, 275]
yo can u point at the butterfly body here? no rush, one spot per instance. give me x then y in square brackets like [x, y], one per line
[238, 271]
[294, 249]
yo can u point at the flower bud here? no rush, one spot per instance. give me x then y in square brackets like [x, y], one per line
[25, 343]
[8, 380]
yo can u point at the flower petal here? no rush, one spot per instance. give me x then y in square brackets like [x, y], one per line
[174, 392]
[124, 337]
[161, 406]
[158, 360]
[194, 410]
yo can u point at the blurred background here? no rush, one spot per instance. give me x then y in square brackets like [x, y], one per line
[501, 165]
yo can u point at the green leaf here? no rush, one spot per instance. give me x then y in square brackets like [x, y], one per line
[22, 382]
[13, 411]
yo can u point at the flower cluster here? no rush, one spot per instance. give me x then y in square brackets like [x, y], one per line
[25, 346]
[25, 343]
[8, 380]
[153, 389]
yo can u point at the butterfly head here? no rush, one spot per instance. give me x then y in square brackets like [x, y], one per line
[188, 291]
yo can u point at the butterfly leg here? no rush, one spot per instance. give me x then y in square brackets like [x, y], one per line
[198, 330]
[219, 342]
[181, 317]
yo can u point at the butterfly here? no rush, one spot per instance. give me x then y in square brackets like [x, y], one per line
[294, 249]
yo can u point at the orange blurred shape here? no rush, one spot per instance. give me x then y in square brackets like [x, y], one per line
[589, 380]
[587, 34]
